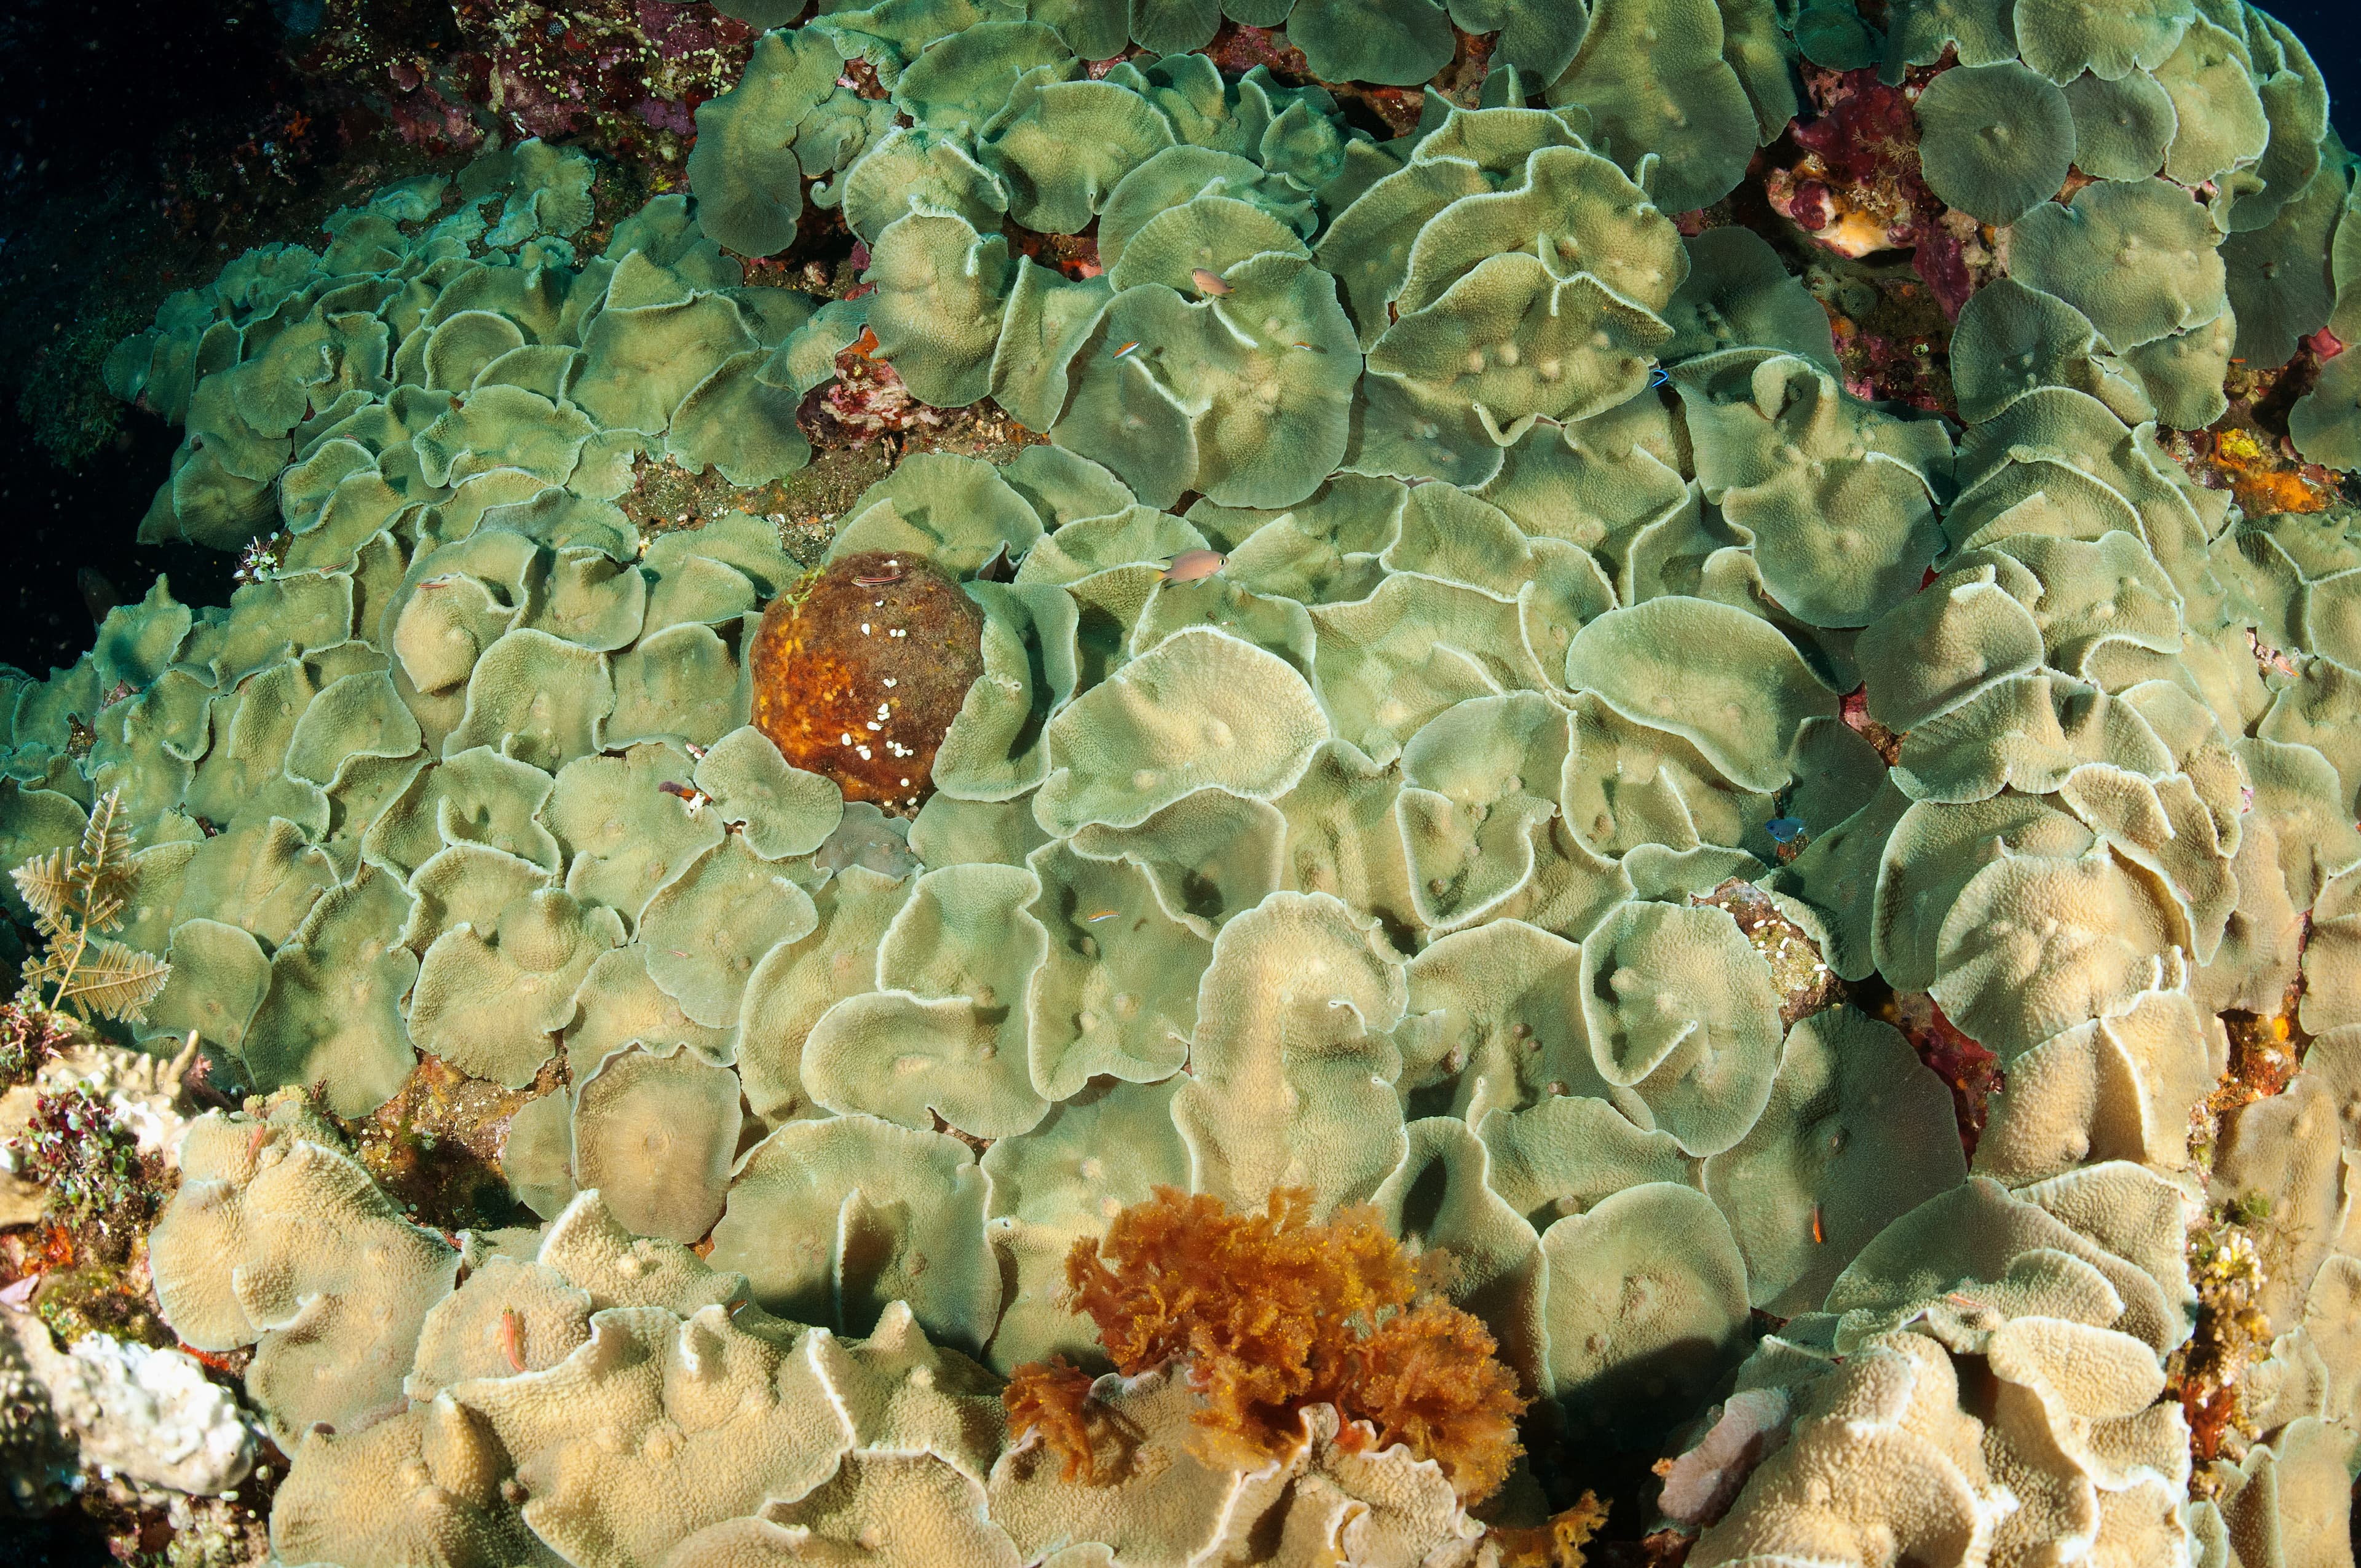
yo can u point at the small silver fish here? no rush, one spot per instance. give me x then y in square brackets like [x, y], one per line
[1208, 282]
[1192, 566]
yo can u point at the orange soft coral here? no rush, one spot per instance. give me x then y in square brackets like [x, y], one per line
[1053, 1398]
[1274, 1313]
[1555, 1544]
[1427, 1378]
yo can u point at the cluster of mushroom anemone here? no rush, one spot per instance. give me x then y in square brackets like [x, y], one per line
[1448, 597]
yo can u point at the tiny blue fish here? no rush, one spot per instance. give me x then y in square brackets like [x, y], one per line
[1657, 377]
[1786, 830]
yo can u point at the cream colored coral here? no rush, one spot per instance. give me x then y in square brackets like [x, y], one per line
[422, 1489]
[1884, 1467]
[129, 1410]
[279, 1239]
[656, 1427]
[1164, 1501]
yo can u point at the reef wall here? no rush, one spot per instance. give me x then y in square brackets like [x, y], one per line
[1829, 888]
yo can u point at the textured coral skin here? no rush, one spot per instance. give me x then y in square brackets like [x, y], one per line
[1275, 1313]
[828, 666]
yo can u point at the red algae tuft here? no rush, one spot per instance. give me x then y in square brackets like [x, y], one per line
[1272, 1314]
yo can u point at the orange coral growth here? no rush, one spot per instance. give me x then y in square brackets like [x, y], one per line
[1254, 1299]
[1427, 1378]
[2264, 1053]
[1053, 1398]
[1274, 1313]
[1557, 1543]
[2265, 482]
[2206, 1374]
[860, 668]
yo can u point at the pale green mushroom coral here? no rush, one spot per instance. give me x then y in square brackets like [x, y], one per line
[1511, 833]
[1996, 140]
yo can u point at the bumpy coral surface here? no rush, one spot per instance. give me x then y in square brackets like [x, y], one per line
[1763, 877]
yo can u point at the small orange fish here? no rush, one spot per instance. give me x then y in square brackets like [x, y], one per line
[1208, 282]
[877, 582]
[513, 1337]
[1102, 915]
[1819, 1233]
[864, 345]
[1193, 565]
[1126, 348]
[254, 1140]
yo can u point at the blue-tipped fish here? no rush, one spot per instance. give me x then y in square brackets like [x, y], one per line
[1786, 830]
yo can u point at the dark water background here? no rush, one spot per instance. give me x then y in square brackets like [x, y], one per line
[112, 114]
[103, 111]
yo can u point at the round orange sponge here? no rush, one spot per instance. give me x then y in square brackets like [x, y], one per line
[860, 668]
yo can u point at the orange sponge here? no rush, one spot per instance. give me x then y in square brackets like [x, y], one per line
[860, 668]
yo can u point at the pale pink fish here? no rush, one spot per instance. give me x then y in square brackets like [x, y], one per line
[1192, 566]
[20, 1294]
[1208, 282]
